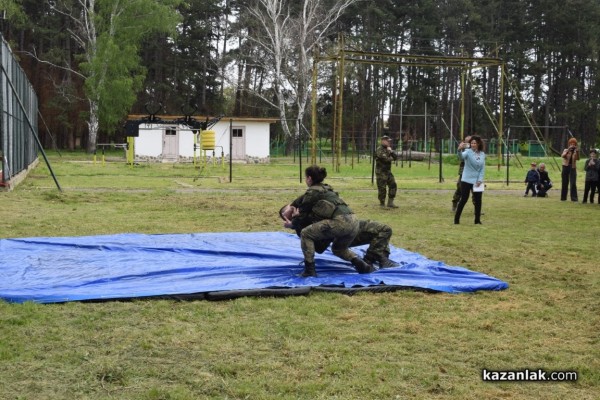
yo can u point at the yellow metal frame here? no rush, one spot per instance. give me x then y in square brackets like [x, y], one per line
[392, 59]
[130, 150]
[202, 157]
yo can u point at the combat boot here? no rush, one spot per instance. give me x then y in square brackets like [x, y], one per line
[385, 262]
[309, 269]
[391, 204]
[370, 258]
[381, 203]
[361, 266]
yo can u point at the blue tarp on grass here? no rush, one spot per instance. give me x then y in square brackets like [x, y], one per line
[122, 266]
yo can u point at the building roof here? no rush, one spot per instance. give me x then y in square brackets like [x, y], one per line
[164, 117]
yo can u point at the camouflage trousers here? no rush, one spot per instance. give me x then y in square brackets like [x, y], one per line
[385, 180]
[340, 230]
[377, 236]
[456, 196]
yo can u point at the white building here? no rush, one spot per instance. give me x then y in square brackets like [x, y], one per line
[172, 142]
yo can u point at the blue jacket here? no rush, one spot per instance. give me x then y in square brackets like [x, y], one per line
[474, 166]
[532, 176]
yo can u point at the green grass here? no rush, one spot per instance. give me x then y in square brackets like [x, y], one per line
[322, 346]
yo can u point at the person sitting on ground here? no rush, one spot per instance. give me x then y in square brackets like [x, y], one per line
[333, 220]
[532, 179]
[545, 183]
[592, 170]
[373, 233]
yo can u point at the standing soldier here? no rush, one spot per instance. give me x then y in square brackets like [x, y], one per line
[383, 172]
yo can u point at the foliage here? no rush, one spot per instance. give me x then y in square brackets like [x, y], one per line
[114, 77]
[111, 63]
[191, 83]
[13, 10]
[218, 64]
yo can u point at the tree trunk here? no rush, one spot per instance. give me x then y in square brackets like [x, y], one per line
[92, 126]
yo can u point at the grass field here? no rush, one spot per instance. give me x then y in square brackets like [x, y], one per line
[401, 345]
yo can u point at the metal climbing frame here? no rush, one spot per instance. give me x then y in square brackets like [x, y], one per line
[343, 55]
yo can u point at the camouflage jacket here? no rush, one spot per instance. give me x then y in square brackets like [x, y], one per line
[308, 201]
[383, 159]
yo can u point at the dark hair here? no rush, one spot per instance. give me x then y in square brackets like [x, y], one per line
[480, 144]
[281, 212]
[318, 174]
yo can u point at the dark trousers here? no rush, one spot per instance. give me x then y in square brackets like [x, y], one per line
[569, 177]
[465, 191]
[531, 186]
[456, 196]
[590, 187]
[542, 188]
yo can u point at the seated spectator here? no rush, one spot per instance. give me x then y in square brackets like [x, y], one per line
[532, 179]
[545, 183]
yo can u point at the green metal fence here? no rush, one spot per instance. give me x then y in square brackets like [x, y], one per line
[18, 117]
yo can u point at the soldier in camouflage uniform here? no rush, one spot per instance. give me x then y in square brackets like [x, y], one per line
[332, 220]
[383, 172]
[373, 233]
[377, 236]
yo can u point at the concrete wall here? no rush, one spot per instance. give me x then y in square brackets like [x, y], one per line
[256, 139]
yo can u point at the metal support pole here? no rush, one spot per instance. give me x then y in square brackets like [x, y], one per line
[501, 116]
[33, 133]
[314, 114]
[462, 105]
[425, 143]
[401, 141]
[230, 150]
[338, 144]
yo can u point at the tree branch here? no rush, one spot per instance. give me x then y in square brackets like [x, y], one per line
[34, 56]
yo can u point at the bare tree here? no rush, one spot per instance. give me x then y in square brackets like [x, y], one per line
[288, 33]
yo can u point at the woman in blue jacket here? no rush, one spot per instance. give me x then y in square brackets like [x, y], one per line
[472, 176]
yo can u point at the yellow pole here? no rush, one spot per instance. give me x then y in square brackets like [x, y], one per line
[501, 116]
[336, 99]
[202, 151]
[196, 144]
[338, 147]
[313, 127]
[130, 150]
[462, 105]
